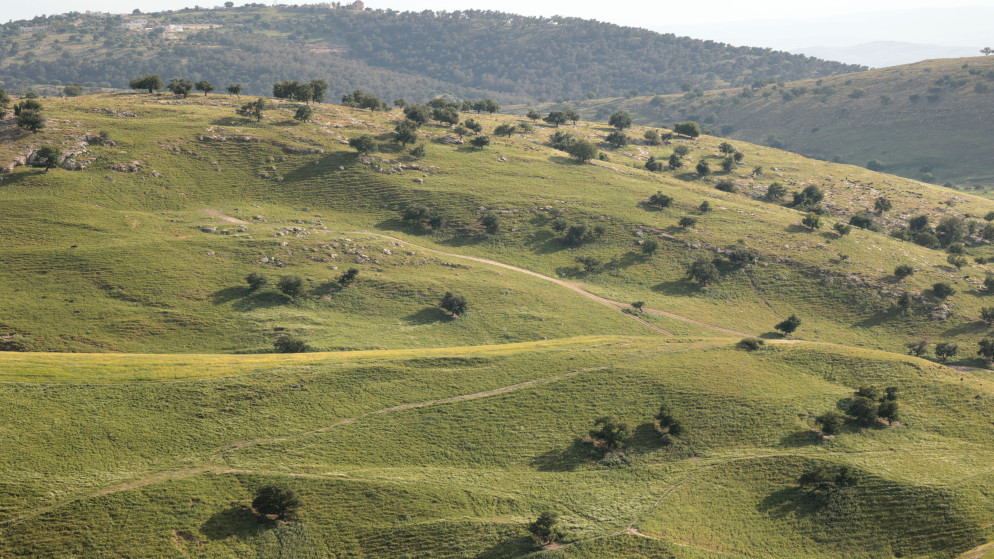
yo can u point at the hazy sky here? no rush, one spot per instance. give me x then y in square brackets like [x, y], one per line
[653, 14]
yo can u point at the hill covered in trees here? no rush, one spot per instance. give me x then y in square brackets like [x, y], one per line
[468, 53]
[930, 120]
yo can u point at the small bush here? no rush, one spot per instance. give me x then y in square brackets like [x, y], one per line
[256, 280]
[750, 344]
[291, 286]
[902, 271]
[290, 344]
[942, 290]
[726, 186]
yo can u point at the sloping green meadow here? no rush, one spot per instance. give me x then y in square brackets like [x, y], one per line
[145, 406]
[451, 455]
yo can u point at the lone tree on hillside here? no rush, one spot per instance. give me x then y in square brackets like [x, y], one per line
[941, 290]
[881, 205]
[407, 132]
[545, 529]
[504, 130]
[454, 304]
[789, 325]
[581, 150]
[533, 114]
[252, 109]
[618, 139]
[277, 500]
[149, 82]
[831, 422]
[620, 120]
[690, 128]
[180, 86]
[72, 90]
[986, 50]
[256, 281]
[303, 113]
[48, 157]
[812, 221]
[703, 271]
[902, 271]
[31, 119]
[349, 277]
[490, 222]
[291, 286]
[235, 89]
[290, 344]
[945, 350]
[986, 349]
[205, 86]
[610, 432]
[666, 424]
[362, 144]
[556, 118]
[480, 142]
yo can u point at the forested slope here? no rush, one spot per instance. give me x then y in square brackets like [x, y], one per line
[417, 55]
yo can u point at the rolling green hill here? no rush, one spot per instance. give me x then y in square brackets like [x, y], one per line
[469, 53]
[143, 406]
[927, 121]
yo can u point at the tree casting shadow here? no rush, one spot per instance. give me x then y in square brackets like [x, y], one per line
[429, 315]
[236, 521]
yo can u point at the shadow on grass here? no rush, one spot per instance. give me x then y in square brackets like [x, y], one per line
[795, 228]
[428, 315]
[567, 459]
[967, 328]
[677, 288]
[234, 121]
[516, 546]
[229, 294]
[261, 300]
[878, 318]
[772, 336]
[801, 438]
[236, 521]
[786, 502]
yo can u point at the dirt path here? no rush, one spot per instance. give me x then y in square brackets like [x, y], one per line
[985, 550]
[411, 406]
[219, 469]
[226, 218]
[618, 306]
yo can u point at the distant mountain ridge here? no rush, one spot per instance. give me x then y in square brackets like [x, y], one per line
[417, 55]
[880, 54]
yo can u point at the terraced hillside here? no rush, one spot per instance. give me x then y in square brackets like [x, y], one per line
[410, 432]
[929, 120]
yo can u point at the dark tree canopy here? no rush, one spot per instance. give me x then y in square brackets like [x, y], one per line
[454, 304]
[789, 325]
[149, 82]
[180, 86]
[277, 500]
[620, 120]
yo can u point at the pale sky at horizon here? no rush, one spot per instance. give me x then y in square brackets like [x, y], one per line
[642, 13]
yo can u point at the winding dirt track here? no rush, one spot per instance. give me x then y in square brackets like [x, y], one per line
[217, 469]
[618, 306]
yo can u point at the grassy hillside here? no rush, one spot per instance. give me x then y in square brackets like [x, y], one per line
[417, 434]
[417, 55]
[452, 454]
[928, 120]
[80, 276]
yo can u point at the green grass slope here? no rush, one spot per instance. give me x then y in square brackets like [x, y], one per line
[146, 249]
[929, 120]
[142, 410]
[451, 455]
